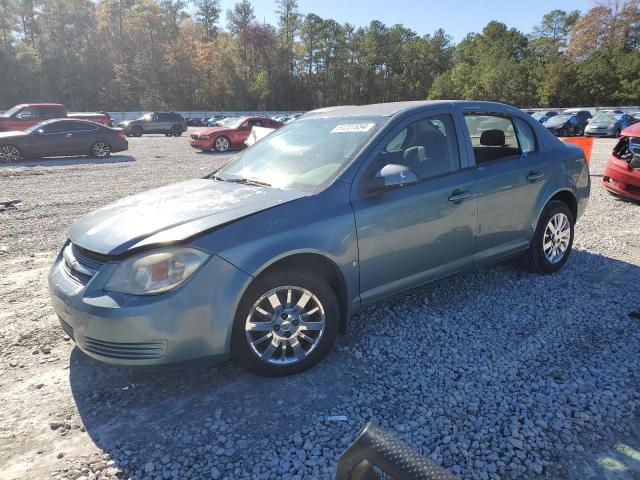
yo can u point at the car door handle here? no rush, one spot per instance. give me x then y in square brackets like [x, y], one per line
[534, 175]
[458, 196]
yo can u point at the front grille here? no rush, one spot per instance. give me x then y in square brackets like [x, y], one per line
[82, 265]
[126, 351]
[68, 329]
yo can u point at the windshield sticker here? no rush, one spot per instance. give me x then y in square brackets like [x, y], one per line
[353, 127]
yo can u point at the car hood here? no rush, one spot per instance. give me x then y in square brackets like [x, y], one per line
[172, 214]
[632, 131]
[210, 130]
[601, 124]
[13, 134]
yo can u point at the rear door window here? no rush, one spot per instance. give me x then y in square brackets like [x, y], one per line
[51, 112]
[493, 137]
[526, 139]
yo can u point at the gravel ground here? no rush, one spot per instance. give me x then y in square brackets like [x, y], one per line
[500, 374]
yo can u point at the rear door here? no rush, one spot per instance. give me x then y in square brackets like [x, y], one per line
[49, 112]
[510, 174]
[420, 232]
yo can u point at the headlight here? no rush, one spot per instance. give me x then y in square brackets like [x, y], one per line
[156, 271]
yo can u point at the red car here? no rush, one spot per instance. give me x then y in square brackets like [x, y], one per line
[231, 133]
[26, 115]
[622, 172]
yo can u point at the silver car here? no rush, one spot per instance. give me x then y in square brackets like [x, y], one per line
[267, 258]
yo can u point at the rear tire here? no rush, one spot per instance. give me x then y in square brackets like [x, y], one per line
[176, 131]
[552, 241]
[285, 336]
[10, 154]
[100, 150]
[136, 131]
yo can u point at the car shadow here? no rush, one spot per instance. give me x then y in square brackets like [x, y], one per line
[177, 409]
[65, 161]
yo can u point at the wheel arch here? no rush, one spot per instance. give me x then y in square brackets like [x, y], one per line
[565, 195]
[316, 262]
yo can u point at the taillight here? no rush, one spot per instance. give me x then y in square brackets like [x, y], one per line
[121, 135]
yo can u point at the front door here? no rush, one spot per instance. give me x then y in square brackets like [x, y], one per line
[420, 232]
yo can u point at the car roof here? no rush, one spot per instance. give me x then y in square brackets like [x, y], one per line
[394, 108]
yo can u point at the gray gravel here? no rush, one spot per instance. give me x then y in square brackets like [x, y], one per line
[500, 374]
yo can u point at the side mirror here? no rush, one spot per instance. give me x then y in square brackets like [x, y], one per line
[390, 177]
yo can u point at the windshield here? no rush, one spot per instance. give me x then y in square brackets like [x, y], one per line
[557, 120]
[303, 155]
[605, 117]
[37, 126]
[230, 122]
[11, 111]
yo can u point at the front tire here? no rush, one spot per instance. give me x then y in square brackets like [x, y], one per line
[221, 144]
[286, 322]
[100, 150]
[10, 154]
[552, 241]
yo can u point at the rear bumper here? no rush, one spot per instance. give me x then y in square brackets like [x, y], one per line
[119, 146]
[191, 322]
[618, 178]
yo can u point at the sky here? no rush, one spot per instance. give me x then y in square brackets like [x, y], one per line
[457, 17]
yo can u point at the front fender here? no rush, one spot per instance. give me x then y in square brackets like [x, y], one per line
[321, 224]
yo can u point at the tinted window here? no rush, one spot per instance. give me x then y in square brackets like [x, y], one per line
[428, 146]
[493, 137]
[57, 127]
[79, 126]
[526, 139]
[255, 123]
[164, 117]
[51, 112]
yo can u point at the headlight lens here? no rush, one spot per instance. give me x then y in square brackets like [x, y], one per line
[156, 271]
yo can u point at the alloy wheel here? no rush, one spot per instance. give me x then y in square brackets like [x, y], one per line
[101, 149]
[556, 238]
[222, 144]
[285, 325]
[9, 154]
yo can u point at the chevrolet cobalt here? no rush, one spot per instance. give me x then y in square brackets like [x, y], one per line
[267, 258]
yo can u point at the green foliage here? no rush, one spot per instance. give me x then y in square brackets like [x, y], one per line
[156, 54]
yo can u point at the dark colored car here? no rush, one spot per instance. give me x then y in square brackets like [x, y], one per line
[195, 122]
[622, 172]
[62, 137]
[169, 123]
[267, 258]
[543, 116]
[566, 125]
[230, 133]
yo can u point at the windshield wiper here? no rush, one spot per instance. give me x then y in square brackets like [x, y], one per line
[246, 181]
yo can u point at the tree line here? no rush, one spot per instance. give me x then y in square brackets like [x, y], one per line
[170, 54]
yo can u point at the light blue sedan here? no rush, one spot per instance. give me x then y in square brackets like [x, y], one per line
[267, 258]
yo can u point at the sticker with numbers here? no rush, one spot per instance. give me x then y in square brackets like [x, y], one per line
[353, 127]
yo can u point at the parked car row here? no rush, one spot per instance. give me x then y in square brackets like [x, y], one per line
[581, 121]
